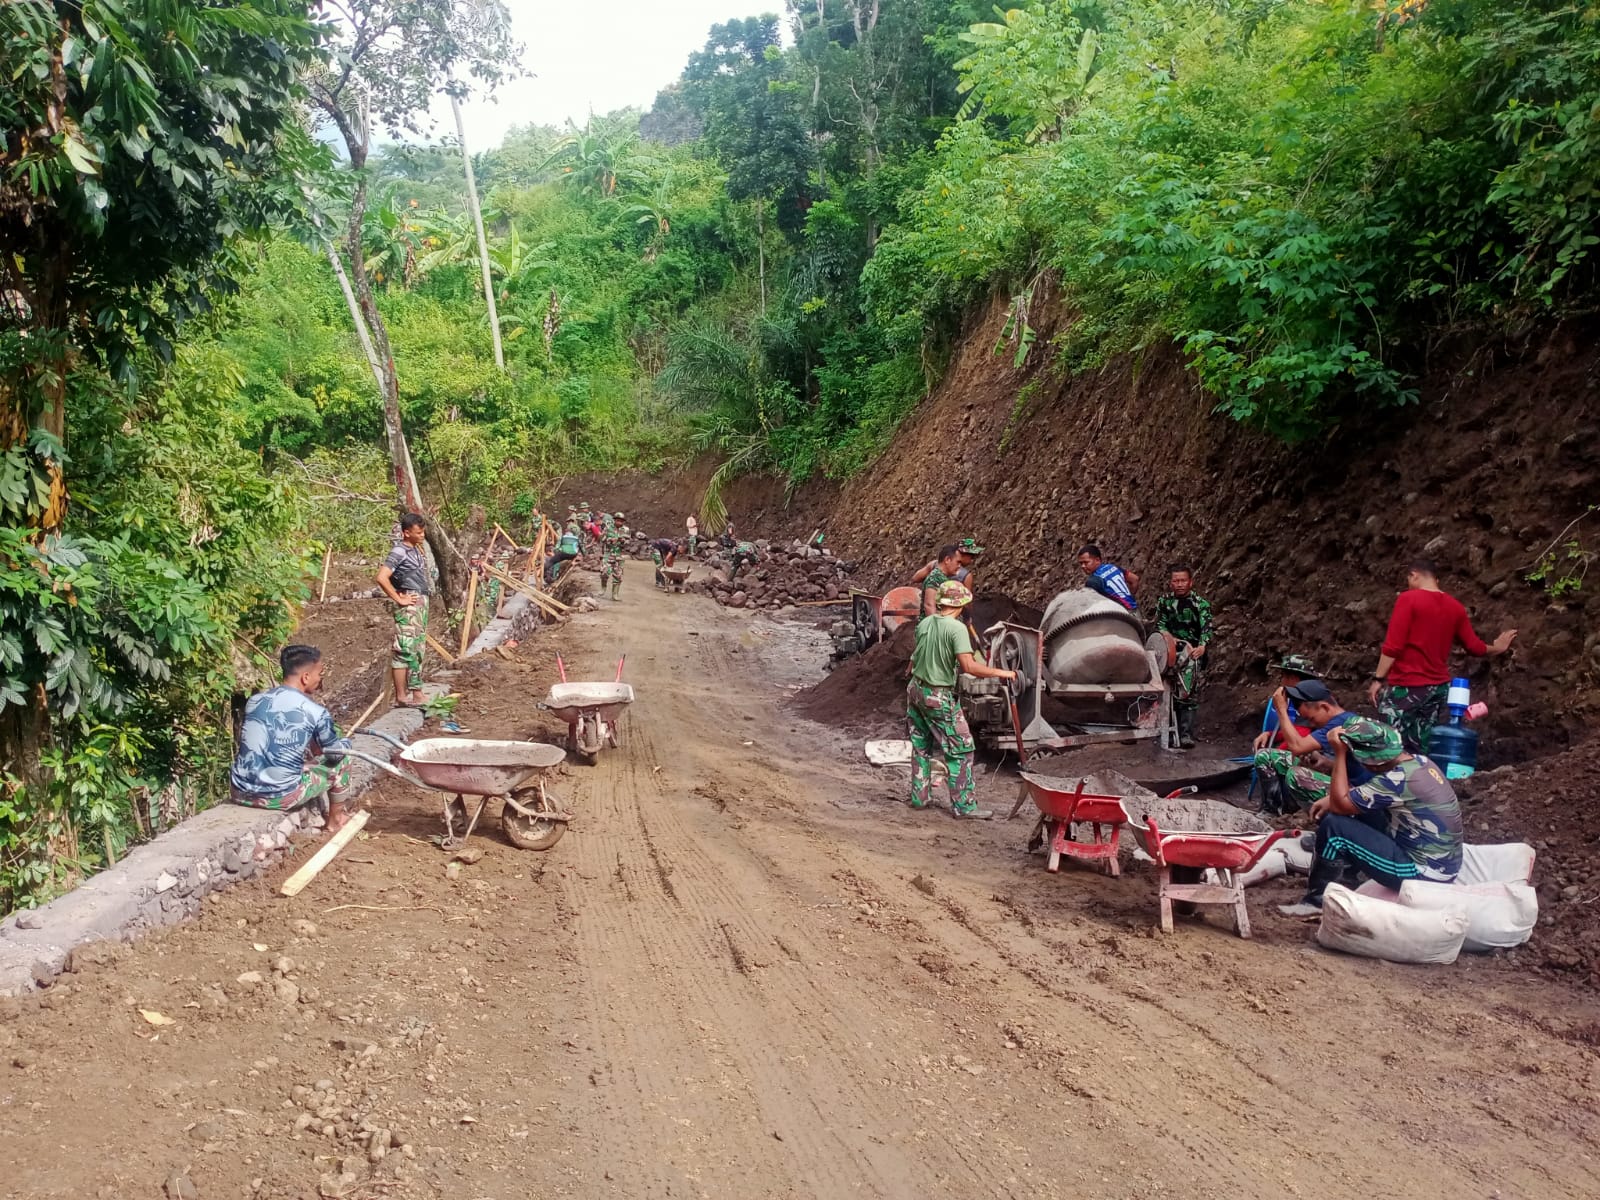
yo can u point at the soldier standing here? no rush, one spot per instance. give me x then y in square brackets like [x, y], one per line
[1186, 620]
[613, 538]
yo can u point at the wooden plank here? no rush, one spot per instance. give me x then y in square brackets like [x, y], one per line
[466, 618]
[327, 561]
[440, 650]
[328, 851]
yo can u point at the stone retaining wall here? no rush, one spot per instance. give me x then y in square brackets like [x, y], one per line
[166, 880]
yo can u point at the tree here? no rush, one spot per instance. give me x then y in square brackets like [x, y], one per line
[141, 139]
[597, 154]
[753, 121]
[391, 58]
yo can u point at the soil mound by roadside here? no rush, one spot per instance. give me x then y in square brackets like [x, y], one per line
[1554, 806]
[867, 693]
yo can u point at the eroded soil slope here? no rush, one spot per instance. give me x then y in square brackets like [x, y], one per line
[1302, 548]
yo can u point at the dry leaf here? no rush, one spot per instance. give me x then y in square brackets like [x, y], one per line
[155, 1018]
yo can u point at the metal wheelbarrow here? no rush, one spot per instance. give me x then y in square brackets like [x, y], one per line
[1060, 806]
[530, 817]
[1230, 855]
[591, 710]
[677, 578]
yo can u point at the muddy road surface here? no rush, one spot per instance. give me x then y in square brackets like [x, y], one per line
[749, 971]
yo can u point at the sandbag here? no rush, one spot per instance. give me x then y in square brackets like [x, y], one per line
[1374, 928]
[1499, 915]
[1297, 856]
[1508, 862]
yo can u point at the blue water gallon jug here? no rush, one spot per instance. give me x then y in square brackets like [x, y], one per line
[1455, 748]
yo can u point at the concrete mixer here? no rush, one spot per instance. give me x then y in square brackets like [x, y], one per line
[1088, 669]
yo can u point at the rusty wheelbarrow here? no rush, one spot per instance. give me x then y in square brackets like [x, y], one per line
[674, 578]
[530, 817]
[1230, 855]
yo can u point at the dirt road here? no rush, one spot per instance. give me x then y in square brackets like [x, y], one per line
[748, 971]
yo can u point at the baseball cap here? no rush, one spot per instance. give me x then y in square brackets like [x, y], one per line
[1297, 664]
[1313, 690]
[954, 594]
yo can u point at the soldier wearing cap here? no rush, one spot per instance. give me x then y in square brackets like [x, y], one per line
[967, 554]
[614, 539]
[1403, 823]
[1297, 775]
[934, 719]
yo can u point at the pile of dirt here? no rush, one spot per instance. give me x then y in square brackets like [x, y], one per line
[865, 694]
[784, 573]
[1554, 807]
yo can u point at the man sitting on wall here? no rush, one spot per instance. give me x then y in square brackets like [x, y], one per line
[284, 730]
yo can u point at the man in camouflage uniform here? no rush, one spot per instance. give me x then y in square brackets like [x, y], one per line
[1186, 619]
[741, 556]
[934, 719]
[1403, 823]
[405, 579]
[613, 539]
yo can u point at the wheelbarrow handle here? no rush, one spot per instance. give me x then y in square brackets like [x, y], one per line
[384, 766]
[369, 731]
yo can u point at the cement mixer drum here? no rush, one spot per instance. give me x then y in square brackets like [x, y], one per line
[1089, 639]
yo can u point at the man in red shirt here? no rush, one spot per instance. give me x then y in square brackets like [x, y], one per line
[1412, 678]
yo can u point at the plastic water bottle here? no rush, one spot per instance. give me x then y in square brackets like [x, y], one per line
[1453, 746]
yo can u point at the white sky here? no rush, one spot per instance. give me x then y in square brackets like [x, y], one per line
[604, 54]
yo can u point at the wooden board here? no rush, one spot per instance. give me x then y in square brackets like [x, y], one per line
[325, 854]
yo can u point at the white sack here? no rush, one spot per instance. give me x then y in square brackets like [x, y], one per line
[1374, 928]
[1510, 862]
[1498, 914]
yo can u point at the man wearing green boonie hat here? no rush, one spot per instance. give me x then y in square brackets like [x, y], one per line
[934, 720]
[1403, 823]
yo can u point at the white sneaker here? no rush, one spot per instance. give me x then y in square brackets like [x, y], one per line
[1300, 909]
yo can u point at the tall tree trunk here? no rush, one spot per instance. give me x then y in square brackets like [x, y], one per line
[761, 249]
[483, 244]
[452, 567]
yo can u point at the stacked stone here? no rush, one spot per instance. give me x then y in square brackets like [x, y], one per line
[786, 573]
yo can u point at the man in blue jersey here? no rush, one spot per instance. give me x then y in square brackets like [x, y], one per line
[1110, 580]
[286, 733]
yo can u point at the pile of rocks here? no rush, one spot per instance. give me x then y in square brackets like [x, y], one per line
[785, 573]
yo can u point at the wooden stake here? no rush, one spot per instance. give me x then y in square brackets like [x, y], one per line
[329, 850]
[327, 561]
[466, 619]
[440, 650]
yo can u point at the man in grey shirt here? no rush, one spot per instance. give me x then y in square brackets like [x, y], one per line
[404, 578]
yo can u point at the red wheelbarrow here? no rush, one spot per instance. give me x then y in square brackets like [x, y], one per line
[1061, 806]
[1230, 855]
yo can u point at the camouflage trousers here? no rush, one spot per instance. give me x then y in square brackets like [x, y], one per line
[938, 730]
[410, 638]
[611, 567]
[319, 783]
[1298, 786]
[694, 540]
[1414, 711]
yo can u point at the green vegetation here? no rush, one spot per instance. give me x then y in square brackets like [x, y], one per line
[772, 266]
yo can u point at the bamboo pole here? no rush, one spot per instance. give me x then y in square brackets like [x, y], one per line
[466, 619]
[329, 850]
[327, 561]
[542, 598]
[440, 650]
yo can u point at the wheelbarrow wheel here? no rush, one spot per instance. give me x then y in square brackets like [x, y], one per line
[530, 832]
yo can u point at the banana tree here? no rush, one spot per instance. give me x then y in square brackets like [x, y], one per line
[393, 237]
